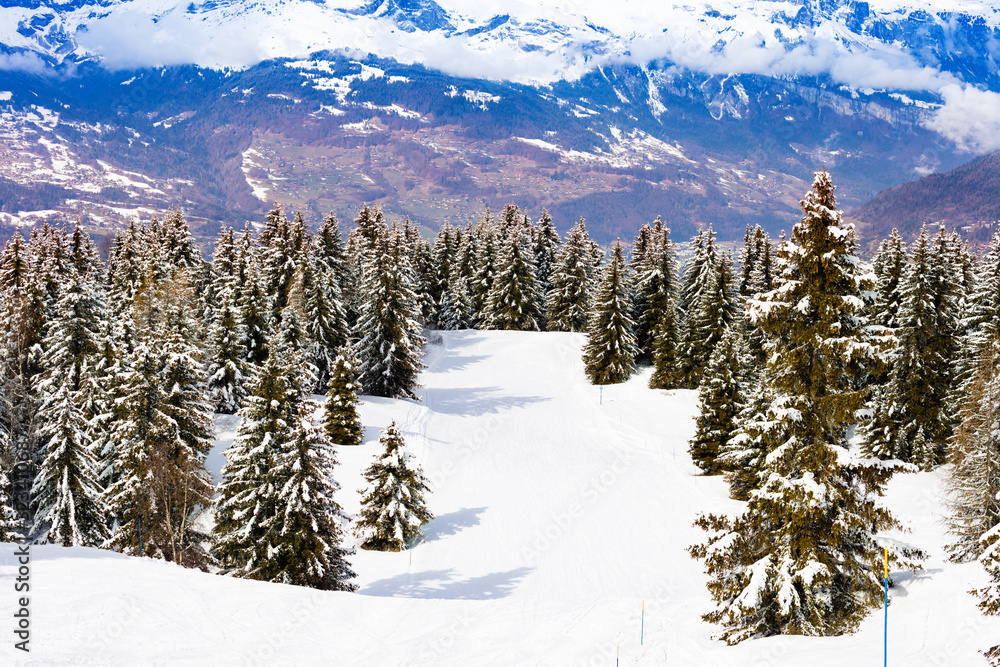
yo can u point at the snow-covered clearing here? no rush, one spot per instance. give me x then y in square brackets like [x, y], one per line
[557, 516]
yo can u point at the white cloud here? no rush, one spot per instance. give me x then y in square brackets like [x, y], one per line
[25, 62]
[243, 34]
[133, 38]
[970, 117]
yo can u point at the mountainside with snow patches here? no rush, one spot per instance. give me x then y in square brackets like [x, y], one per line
[617, 112]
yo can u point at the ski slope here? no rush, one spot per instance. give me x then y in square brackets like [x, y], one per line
[559, 514]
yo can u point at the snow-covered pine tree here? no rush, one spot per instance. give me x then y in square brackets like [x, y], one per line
[305, 536]
[393, 509]
[140, 429]
[162, 436]
[572, 279]
[254, 308]
[340, 417]
[697, 270]
[716, 308]
[443, 254]
[456, 305]
[721, 396]
[10, 523]
[68, 499]
[246, 505]
[921, 366]
[279, 261]
[513, 302]
[228, 370]
[889, 265]
[545, 243]
[974, 480]
[609, 355]
[390, 345]
[330, 250]
[768, 575]
[422, 267]
[487, 257]
[989, 595]
[656, 286]
[315, 297]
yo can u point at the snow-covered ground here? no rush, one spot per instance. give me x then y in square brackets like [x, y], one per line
[558, 516]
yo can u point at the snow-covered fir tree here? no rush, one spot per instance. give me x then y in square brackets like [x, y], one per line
[513, 302]
[768, 576]
[305, 536]
[656, 286]
[228, 369]
[393, 509]
[716, 308]
[720, 399]
[889, 265]
[485, 235]
[697, 270]
[316, 299]
[610, 352]
[545, 243]
[69, 500]
[246, 504]
[340, 416]
[456, 305]
[989, 595]
[974, 479]
[389, 347]
[921, 379]
[572, 279]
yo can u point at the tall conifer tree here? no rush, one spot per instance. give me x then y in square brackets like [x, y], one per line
[769, 575]
[609, 355]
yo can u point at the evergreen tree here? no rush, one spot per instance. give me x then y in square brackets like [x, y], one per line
[666, 366]
[697, 270]
[802, 558]
[10, 522]
[486, 260]
[716, 308]
[70, 506]
[393, 509]
[390, 345]
[247, 501]
[305, 535]
[567, 304]
[989, 595]
[609, 355]
[445, 245]
[513, 300]
[974, 479]
[921, 376]
[341, 421]
[254, 311]
[228, 370]
[316, 299]
[720, 399]
[545, 243]
[656, 286]
[889, 266]
[456, 305]
[163, 436]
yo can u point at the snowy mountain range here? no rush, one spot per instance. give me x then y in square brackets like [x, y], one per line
[705, 113]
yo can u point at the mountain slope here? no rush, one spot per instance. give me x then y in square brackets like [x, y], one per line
[964, 198]
[558, 518]
[619, 146]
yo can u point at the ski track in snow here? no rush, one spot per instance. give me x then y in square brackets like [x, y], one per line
[557, 515]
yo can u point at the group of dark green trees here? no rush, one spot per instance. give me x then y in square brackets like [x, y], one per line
[110, 374]
[811, 343]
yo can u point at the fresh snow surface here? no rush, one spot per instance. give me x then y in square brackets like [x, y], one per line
[557, 516]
